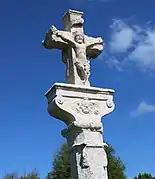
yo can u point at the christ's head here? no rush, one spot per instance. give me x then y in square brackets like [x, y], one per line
[78, 37]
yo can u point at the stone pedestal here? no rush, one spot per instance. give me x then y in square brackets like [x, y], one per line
[82, 108]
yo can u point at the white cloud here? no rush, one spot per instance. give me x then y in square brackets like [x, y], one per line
[113, 62]
[121, 38]
[142, 109]
[144, 53]
[135, 45]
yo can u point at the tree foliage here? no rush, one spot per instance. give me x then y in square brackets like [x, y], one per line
[61, 166]
[116, 167]
[144, 176]
[31, 175]
[11, 176]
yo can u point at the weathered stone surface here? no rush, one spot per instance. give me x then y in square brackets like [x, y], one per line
[82, 108]
[77, 104]
[76, 47]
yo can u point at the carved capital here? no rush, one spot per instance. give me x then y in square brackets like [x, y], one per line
[83, 106]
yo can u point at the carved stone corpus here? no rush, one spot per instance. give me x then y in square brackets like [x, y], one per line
[76, 47]
[82, 108]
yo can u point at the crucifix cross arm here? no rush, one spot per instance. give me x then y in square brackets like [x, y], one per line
[94, 46]
[66, 37]
[54, 40]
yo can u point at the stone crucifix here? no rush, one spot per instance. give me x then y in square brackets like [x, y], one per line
[76, 47]
[79, 105]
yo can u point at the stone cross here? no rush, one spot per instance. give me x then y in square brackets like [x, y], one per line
[77, 104]
[76, 47]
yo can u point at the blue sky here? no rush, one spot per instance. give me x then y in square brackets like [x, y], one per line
[28, 135]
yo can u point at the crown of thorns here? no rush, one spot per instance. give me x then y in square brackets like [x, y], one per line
[77, 33]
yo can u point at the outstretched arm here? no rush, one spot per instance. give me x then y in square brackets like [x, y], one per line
[65, 37]
[94, 46]
[97, 41]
